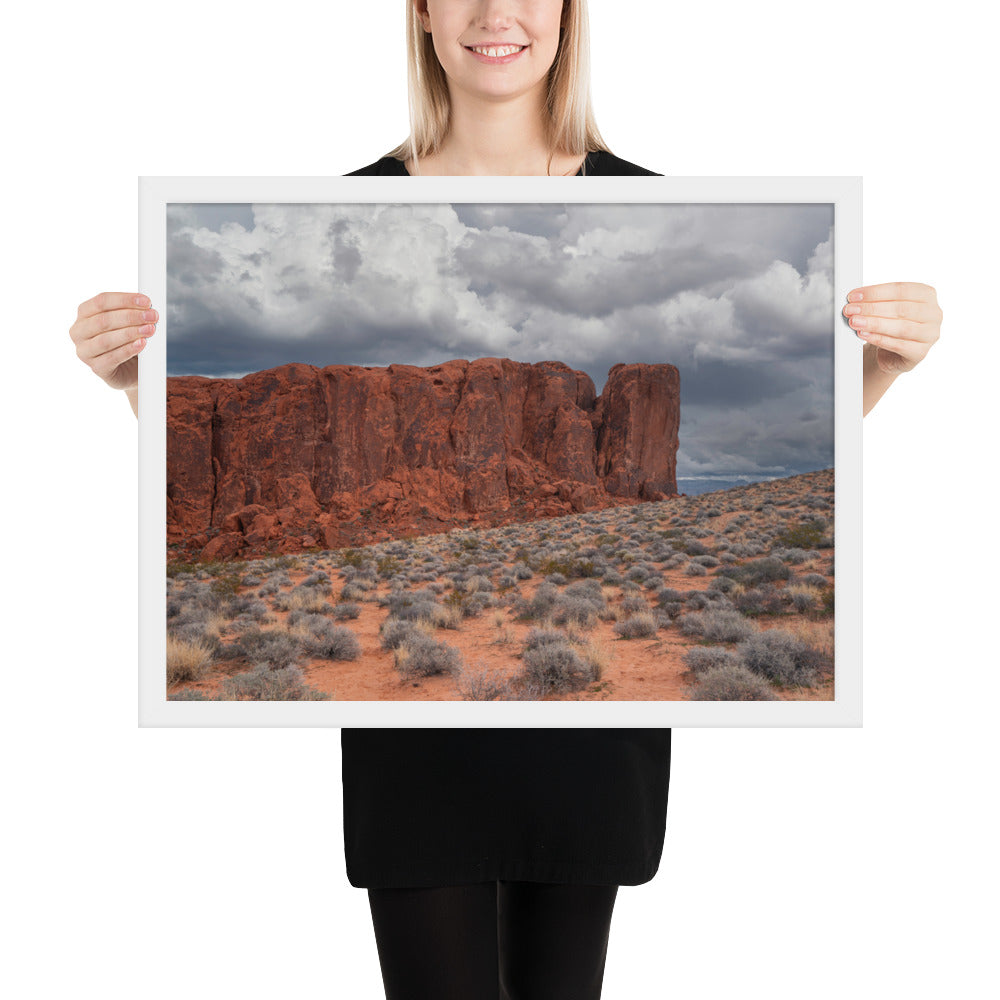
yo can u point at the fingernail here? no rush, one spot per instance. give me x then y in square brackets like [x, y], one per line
[855, 297]
[141, 301]
[150, 315]
[851, 310]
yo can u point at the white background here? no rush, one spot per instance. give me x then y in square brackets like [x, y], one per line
[209, 863]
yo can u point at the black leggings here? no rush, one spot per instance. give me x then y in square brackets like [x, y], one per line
[493, 941]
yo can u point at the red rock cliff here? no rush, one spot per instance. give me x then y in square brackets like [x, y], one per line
[299, 456]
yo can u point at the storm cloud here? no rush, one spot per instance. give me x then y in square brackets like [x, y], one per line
[738, 297]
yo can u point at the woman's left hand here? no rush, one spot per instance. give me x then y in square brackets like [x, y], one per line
[900, 318]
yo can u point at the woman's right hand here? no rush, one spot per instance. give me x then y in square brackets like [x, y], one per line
[110, 331]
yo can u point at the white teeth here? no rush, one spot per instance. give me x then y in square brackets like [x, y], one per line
[500, 50]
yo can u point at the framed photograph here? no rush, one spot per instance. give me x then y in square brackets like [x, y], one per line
[500, 452]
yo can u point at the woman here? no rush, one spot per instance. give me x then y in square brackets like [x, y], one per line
[493, 857]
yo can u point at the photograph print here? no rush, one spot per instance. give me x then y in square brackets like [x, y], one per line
[500, 452]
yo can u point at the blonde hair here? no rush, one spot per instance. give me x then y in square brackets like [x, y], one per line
[570, 123]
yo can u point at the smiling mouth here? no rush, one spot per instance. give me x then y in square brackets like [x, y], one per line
[495, 51]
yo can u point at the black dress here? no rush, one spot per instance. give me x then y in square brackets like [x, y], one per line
[436, 807]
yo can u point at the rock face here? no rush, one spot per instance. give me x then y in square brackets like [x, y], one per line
[297, 456]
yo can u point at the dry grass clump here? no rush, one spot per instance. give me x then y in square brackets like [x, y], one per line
[186, 660]
[803, 597]
[596, 656]
[818, 634]
[307, 599]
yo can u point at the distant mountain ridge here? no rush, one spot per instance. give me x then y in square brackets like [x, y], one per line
[300, 456]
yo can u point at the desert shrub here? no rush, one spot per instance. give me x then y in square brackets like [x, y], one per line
[542, 637]
[557, 666]
[556, 579]
[638, 572]
[814, 580]
[793, 556]
[387, 566]
[186, 660]
[806, 534]
[723, 584]
[759, 601]
[198, 632]
[734, 683]
[248, 607]
[780, 657]
[478, 584]
[345, 612]
[469, 605]
[352, 592]
[395, 631]
[577, 610]
[579, 604]
[484, 685]
[262, 683]
[190, 694]
[756, 571]
[702, 658]
[696, 600]
[522, 571]
[634, 603]
[420, 655]
[276, 649]
[584, 568]
[331, 642]
[803, 598]
[413, 605]
[667, 596]
[640, 626]
[695, 569]
[707, 560]
[717, 625]
[538, 605]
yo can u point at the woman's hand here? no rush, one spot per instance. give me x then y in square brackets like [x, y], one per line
[110, 331]
[901, 319]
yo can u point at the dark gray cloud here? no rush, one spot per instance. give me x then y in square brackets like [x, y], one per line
[738, 297]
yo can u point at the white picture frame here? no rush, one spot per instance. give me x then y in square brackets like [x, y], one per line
[842, 193]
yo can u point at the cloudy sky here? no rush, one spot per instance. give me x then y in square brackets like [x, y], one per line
[738, 297]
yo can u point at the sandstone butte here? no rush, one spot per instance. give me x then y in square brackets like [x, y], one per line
[298, 457]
